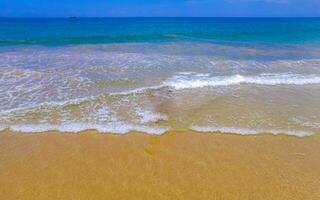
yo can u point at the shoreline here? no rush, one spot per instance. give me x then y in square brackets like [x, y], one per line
[176, 165]
[193, 129]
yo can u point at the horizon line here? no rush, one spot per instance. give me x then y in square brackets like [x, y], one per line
[79, 17]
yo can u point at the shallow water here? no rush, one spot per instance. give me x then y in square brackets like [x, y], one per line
[241, 87]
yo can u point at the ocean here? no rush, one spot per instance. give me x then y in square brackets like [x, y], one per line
[152, 75]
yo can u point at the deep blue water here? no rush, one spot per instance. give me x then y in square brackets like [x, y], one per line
[64, 31]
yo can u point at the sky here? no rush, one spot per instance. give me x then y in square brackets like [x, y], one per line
[160, 8]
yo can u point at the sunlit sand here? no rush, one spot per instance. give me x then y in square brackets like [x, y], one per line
[177, 165]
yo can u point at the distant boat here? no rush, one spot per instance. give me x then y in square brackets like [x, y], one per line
[73, 17]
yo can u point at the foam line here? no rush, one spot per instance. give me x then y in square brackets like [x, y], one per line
[116, 127]
[246, 131]
[185, 82]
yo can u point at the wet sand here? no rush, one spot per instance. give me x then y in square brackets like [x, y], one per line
[177, 165]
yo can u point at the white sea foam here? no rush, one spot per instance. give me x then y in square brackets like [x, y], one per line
[191, 80]
[246, 131]
[123, 128]
[197, 81]
[114, 127]
[306, 122]
[2, 127]
[49, 104]
[146, 116]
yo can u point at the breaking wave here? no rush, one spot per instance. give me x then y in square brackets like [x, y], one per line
[114, 127]
[247, 131]
[153, 88]
[184, 81]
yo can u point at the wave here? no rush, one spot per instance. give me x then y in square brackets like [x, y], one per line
[124, 128]
[2, 128]
[142, 117]
[191, 80]
[246, 131]
[113, 127]
[183, 81]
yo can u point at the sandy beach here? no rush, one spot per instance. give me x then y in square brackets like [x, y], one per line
[177, 165]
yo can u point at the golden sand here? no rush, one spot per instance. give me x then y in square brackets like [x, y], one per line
[177, 165]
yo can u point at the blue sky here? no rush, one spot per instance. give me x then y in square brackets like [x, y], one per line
[156, 8]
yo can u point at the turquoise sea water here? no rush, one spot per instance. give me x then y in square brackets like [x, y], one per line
[238, 75]
[62, 31]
